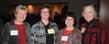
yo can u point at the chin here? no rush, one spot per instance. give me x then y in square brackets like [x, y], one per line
[88, 20]
[21, 20]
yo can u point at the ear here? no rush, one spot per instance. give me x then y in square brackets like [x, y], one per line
[15, 14]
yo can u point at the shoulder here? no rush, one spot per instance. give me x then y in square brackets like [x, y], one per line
[10, 23]
[37, 24]
[26, 23]
[53, 23]
[60, 31]
[77, 31]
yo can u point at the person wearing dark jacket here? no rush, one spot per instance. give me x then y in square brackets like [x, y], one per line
[17, 31]
[92, 29]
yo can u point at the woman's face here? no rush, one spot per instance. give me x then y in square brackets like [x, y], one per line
[45, 13]
[89, 13]
[21, 15]
[69, 21]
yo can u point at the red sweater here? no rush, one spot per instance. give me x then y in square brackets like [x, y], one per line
[67, 33]
[22, 32]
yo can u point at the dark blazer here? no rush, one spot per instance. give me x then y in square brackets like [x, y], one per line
[8, 39]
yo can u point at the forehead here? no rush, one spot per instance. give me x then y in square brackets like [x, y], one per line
[68, 17]
[20, 10]
[89, 8]
[45, 9]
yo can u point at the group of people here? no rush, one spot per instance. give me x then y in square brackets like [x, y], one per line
[46, 32]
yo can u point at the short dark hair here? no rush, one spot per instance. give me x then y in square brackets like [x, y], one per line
[44, 6]
[69, 15]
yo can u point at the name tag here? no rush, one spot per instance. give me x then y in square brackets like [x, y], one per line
[13, 32]
[51, 31]
[64, 38]
[83, 30]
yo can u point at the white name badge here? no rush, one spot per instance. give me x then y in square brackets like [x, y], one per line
[64, 38]
[51, 31]
[13, 32]
[83, 30]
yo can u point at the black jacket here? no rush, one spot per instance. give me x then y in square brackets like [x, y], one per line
[8, 39]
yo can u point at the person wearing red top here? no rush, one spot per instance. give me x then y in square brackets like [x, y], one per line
[69, 34]
[17, 31]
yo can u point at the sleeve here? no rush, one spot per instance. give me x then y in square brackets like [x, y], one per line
[28, 33]
[4, 34]
[78, 37]
[56, 29]
[58, 36]
[55, 26]
[33, 34]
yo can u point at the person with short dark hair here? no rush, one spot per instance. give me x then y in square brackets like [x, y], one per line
[92, 29]
[69, 34]
[17, 31]
[44, 31]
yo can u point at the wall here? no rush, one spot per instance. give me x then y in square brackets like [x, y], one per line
[104, 17]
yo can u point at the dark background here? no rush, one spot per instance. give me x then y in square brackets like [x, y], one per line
[73, 5]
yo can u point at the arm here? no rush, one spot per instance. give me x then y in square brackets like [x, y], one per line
[33, 34]
[28, 33]
[56, 31]
[78, 37]
[4, 34]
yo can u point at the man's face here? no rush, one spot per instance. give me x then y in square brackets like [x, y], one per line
[21, 15]
[45, 13]
[69, 21]
[89, 13]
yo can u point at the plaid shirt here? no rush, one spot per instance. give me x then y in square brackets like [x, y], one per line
[8, 39]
